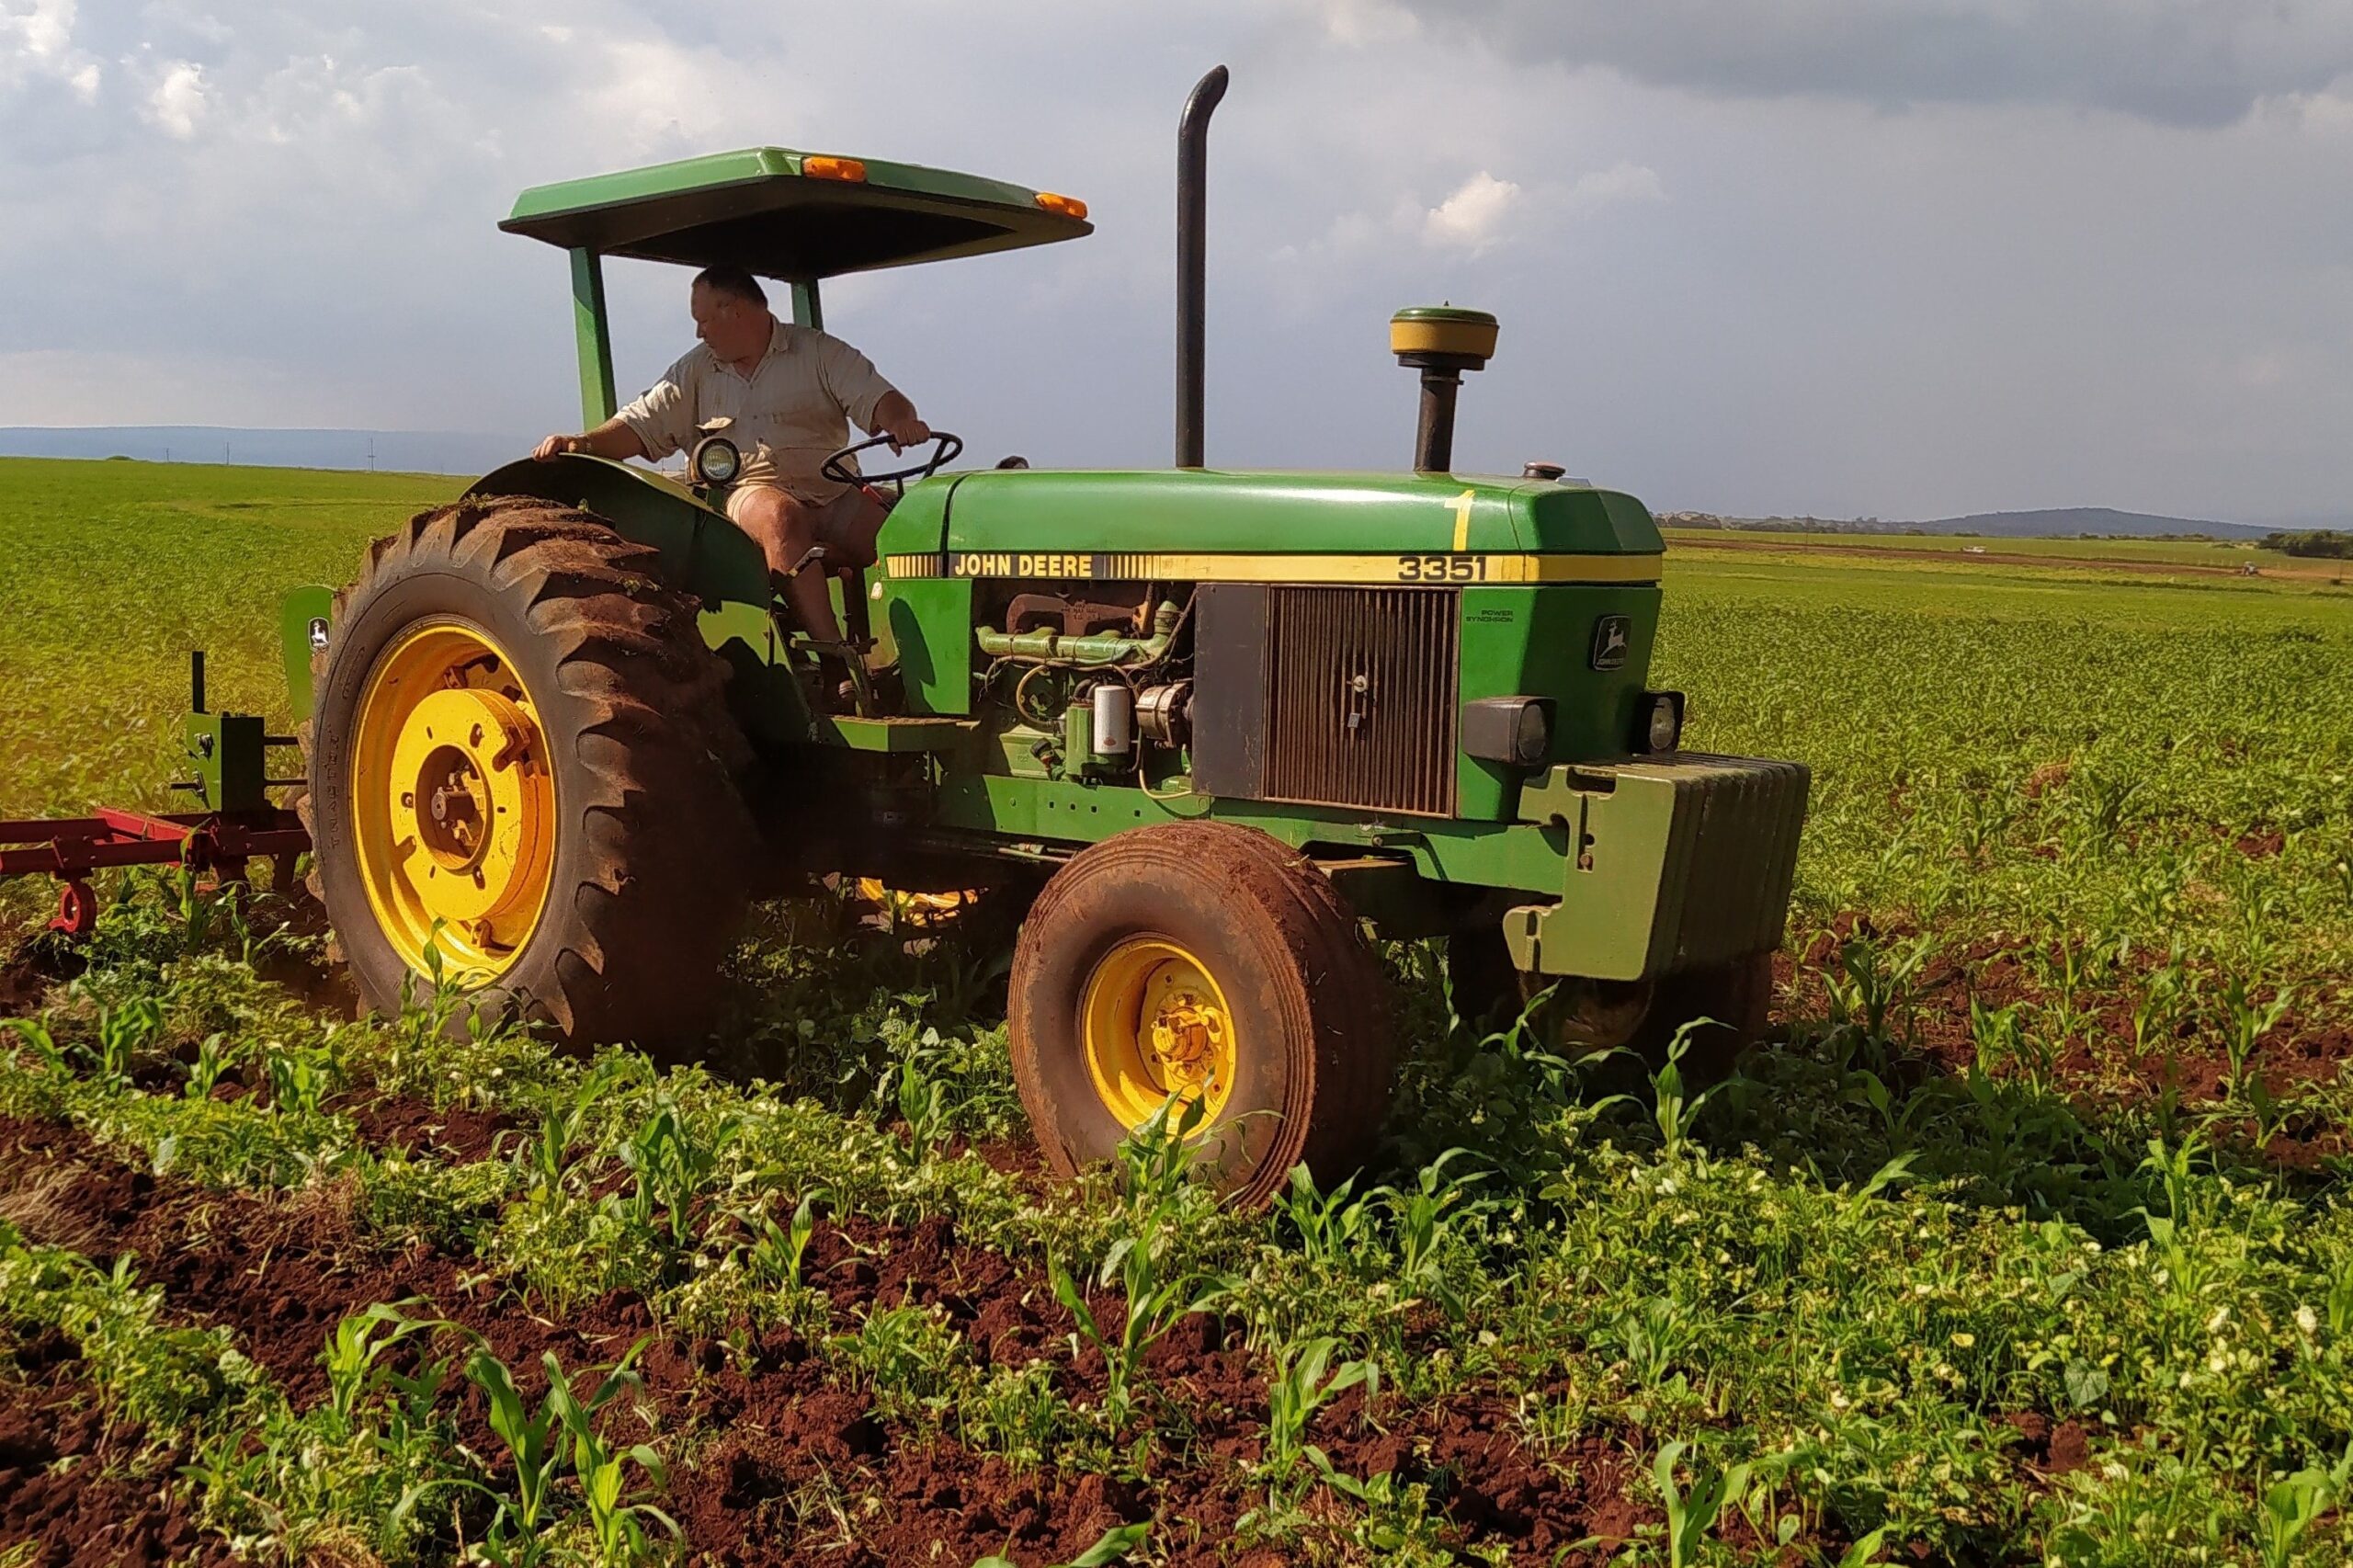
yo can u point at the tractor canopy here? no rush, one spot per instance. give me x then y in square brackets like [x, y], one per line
[791, 215]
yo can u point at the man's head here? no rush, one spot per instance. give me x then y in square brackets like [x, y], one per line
[730, 313]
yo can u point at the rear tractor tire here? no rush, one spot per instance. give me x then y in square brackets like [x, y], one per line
[522, 772]
[1208, 962]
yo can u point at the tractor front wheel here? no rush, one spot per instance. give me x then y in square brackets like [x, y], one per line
[1202, 963]
[522, 777]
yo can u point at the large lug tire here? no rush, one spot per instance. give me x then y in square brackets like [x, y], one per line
[1272, 1010]
[529, 665]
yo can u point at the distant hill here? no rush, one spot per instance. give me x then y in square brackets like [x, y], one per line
[395, 451]
[2059, 522]
[2067, 522]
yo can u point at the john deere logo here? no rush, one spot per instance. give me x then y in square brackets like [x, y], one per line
[1613, 636]
[318, 632]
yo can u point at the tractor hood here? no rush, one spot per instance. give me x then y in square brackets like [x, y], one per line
[1181, 522]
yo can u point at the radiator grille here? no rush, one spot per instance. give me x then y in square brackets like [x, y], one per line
[1361, 698]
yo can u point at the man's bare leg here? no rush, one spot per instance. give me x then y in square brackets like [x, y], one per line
[786, 529]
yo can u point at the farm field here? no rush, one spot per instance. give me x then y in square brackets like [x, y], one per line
[2201, 558]
[2026, 1241]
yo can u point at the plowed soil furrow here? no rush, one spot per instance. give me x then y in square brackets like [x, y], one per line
[766, 1430]
[67, 1486]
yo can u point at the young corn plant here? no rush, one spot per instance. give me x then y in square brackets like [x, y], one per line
[546, 1156]
[923, 1104]
[519, 1534]
[123, 1030]
[1303, 1383]
[355, 1357]
[33, 1036]
[1871, 982]
[300, 1079]
[2247, 1021]
[1676, 1111]
[2168, 996]
[1328, 1225]
[1420, 1218]
[773, 1255]
[671, 1165]
[616, 1512]
[2291, 1505]
[1153, 1306]
[214, 1056]
[1115, 1545]
[1691, 1515]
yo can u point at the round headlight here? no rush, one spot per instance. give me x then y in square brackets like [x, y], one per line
[717, 461]
[1667, 721]
[1532, 736]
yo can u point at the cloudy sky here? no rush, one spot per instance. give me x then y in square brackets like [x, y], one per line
[1903, 257]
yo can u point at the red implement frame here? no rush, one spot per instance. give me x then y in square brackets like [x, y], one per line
[70, 849]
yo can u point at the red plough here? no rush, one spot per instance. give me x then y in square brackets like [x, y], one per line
[227, 753]
[70, 849]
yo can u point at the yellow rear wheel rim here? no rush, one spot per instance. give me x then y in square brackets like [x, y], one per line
[1154, 1023]
[453, 802]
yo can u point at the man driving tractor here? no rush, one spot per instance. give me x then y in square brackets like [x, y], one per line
[790, 394]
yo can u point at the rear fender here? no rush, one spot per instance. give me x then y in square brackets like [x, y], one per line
[701, 550]
[703, 553]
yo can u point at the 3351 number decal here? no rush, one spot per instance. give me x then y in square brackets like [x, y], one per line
[1441, 568]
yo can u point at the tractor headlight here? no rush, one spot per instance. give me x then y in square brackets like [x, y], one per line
[1663, 729]
[1516, 731]
[1532, 736]
[717, 461]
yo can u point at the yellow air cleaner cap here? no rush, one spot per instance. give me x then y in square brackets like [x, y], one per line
[1442, 329]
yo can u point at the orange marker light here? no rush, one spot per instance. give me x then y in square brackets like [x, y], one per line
[823, 166]
[1065, 206]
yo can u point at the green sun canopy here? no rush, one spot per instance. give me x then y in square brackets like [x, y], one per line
[791, 215]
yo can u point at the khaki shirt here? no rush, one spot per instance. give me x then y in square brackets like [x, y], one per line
[791, 413]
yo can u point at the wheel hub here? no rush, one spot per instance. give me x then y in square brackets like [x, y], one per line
[455, 802]
[1155, 1024]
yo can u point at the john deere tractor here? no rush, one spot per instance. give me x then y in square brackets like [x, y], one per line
[1213, 723]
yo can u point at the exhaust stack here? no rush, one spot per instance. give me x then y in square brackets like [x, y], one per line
[1441, 342]
[1192, 260]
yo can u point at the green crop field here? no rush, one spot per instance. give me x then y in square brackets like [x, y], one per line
[2202, 558]
[2025, 1241]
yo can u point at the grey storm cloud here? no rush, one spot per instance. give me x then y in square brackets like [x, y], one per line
[2174, 61]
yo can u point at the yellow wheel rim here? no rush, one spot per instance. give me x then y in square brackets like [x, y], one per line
[453, 802]
[1154, 1023]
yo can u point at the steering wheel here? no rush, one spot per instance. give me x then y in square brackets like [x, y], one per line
[945, 449]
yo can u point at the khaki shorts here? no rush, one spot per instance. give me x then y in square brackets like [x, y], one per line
[846, 523]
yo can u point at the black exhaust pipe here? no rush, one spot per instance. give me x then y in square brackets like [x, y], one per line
[1192, 263]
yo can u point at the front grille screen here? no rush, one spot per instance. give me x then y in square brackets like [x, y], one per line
[1361, 698]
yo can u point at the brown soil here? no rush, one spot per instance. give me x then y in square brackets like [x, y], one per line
[768, 1425]
[2309, 1047]
[85, 1493]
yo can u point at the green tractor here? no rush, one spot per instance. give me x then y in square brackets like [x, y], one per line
[1201, 727]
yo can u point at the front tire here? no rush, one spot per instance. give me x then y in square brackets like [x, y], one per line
[522, 774]
[1208, 961]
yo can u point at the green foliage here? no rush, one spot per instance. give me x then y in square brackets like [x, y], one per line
[2117, 852]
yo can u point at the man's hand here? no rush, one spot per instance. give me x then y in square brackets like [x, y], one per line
[897, 419]
[557, 446]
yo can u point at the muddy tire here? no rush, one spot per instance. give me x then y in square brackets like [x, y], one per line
[589, 869]
[1585, 1016]
[1734, 998]
[1212, 932]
